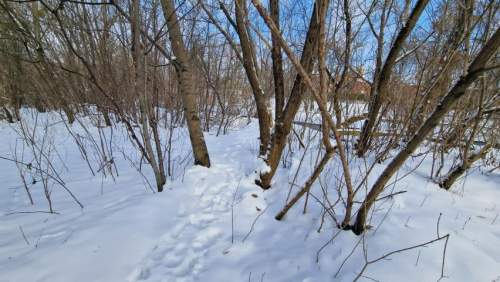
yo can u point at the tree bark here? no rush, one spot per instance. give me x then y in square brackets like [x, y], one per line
[183, 68]
[279, 84]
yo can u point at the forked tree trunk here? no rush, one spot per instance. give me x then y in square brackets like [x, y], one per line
[183, 68]
[324, 126]
[476, 68]
[282, 130]
[319, 96]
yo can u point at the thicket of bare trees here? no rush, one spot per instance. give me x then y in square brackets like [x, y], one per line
[378, 80]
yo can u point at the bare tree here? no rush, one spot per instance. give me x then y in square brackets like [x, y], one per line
[186, 80]
[252, 70]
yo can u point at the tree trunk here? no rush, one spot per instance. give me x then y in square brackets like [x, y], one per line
[182, 64]
[282, 130]
[140, 91]
[458, 171]
[385, 76]
[279, 84]
[261, 101]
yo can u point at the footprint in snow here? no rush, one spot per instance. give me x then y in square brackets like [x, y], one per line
[179, 254]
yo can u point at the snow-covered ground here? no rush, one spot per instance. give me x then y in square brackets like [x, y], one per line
[216, 225]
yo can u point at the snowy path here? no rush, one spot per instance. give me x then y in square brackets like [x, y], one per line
[179, 254]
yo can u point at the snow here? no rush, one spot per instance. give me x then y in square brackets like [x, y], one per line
[263, 167]
[215, 224]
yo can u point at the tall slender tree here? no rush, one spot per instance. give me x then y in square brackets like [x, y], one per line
[186, 79]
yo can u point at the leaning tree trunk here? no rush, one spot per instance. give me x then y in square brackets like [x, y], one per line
[476, 68]
[384, 77]
[459, 170]
[446, 58]
[184, 71]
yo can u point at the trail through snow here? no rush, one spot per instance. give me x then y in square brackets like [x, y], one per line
[180, 252]
[200, 231]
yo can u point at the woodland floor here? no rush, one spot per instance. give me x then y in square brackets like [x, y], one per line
[217, 225]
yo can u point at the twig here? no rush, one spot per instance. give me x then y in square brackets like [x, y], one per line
[347, 258]
[437, 225]
[326, 244]
[465, 223]
[423, 201]
[20, 212]
[495, 219]
[24, 235]
[403, 250]
[383, 219]
[408, 220]
[391, 195]
[253, 224]
[232, 211]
